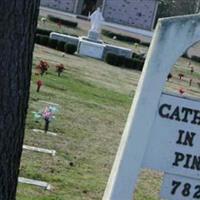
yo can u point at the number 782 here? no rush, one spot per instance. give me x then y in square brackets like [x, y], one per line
[186, 189]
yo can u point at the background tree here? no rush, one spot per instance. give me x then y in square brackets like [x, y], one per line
[167, 8]
[185, 7]
[17, 27]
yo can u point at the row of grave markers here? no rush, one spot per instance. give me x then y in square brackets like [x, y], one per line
[52, 152]
[162, 130]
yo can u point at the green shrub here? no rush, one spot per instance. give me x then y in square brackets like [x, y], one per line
[120, 37]
[138, 56]
[52, 43]
[43, 31]
[146, 44]
[133, 63]
[114, 59]
[63, 21]
[47, 32]
[121, 61]
[195, 58]
[37, 38]
[70, 48]
[42, 39]
[61, 46]
[129, 63]
[111, 59]
[138, 64]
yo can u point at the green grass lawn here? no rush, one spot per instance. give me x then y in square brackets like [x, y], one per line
[93, 108]
[94, 100]
[88, 133]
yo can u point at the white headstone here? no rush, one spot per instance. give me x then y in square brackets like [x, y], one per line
[40, 150]
[91, 49]
[42, 184]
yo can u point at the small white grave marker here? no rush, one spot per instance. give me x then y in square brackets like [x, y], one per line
[42, 131]
[41, 150]
[51, 103]
[42, 184]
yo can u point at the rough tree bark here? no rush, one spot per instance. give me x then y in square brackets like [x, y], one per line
[18, 19]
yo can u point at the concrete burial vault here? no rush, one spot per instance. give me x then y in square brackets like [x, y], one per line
[173, 36]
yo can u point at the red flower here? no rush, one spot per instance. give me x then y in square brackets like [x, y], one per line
[39, 83]
[60, 68]
[42, 67]
[181, 91]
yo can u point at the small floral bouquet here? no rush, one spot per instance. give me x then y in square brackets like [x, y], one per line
[47, 114]
[42, 67]
[39, 84]
[59, 69]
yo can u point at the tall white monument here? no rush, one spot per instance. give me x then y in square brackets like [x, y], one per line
[93, 46]
[96, 23]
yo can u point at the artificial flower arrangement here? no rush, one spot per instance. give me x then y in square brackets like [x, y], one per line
[42, 67]
[59, 69]
[47, 114]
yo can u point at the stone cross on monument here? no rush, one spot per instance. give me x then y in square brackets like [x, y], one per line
[143, 143]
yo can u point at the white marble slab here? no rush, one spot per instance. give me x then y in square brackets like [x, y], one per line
[91, 49]
[42, 184]
[48, 102]
[41, 150]
[42, 131]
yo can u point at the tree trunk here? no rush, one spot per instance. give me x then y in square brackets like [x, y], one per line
[18, 20]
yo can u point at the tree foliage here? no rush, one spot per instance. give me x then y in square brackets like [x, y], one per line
[167, 8]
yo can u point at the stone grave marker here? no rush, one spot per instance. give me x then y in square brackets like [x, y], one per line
[162, 131]
[42, 184]
[42, 131]
[40, 150]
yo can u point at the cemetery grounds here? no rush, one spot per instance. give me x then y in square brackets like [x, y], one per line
[94, 100]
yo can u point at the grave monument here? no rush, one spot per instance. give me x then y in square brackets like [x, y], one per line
[93, 46]
[96, 23]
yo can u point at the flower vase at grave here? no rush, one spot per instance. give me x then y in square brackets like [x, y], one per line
[39, 84]
[42, 67]
[59, 24]
[47, 116]
[190, 82]
[46, 127]
[192, 70]
[60, 68]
